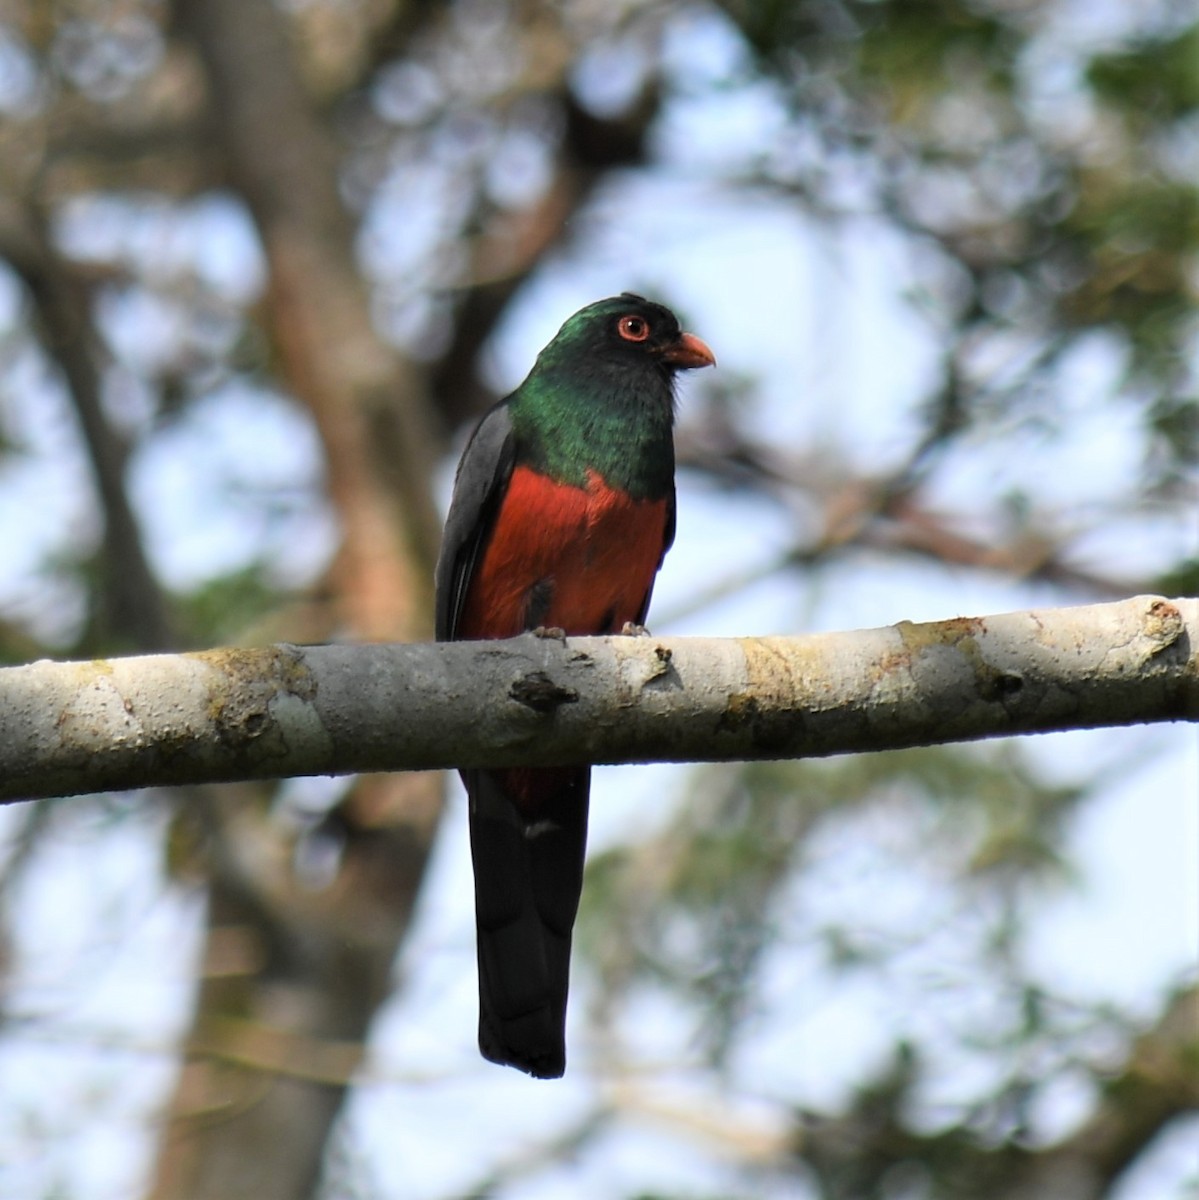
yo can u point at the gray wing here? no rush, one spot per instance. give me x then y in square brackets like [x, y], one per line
[479, 486]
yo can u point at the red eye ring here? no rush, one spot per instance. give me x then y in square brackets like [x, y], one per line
[633, 328]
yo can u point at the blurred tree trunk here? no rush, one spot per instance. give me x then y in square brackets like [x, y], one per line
[281, 961]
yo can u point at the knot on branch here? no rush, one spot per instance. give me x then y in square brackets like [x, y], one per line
[1163, 625]
[997, 685]
[538, 691]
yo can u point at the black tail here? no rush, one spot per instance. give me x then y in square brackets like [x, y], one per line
[528, 876]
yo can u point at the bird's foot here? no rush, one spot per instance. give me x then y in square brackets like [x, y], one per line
[632, 629]
[552, 632]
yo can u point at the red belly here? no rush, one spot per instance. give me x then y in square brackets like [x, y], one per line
[593, 551]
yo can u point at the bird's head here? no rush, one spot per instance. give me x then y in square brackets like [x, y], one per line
[631, 330]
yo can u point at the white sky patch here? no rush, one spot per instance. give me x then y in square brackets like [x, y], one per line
[236, 480]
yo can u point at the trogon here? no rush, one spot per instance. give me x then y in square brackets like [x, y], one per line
[563, 508]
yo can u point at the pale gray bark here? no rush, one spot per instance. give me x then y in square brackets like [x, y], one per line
[289, 710]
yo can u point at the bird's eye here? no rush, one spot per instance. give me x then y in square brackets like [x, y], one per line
[633, 329]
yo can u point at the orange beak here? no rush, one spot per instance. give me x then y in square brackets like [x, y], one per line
[689, 352]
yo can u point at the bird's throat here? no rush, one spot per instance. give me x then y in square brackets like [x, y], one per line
[573, 431]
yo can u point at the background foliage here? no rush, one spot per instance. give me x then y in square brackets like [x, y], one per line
[260, 266]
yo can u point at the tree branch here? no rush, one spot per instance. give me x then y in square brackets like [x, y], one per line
[1157, 1083]
[290, 710]
[134, 609]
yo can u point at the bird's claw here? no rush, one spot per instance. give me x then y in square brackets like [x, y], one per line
[632, 629]
[551, 632]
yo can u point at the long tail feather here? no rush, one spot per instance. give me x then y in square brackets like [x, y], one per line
[528, 864]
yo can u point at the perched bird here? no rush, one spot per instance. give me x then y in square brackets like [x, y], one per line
[563, 509]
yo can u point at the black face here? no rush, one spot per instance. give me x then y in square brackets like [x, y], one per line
[627, 330]
[639, 323]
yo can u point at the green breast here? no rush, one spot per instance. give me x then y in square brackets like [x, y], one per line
[621, 429]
